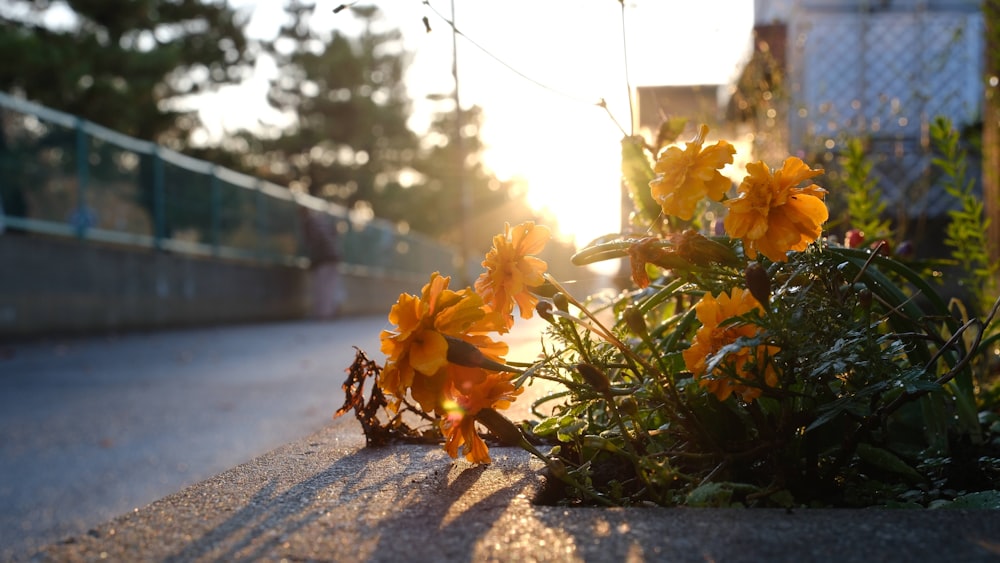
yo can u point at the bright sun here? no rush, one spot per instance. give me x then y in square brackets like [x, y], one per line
[538, 69]
[538, 80]
[542, 123]
[571, 164]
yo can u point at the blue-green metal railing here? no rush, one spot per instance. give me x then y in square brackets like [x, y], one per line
[62, 175]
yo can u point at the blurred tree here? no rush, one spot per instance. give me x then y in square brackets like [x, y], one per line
[121, 63]
[437, 193]
[350, 142]
[349, 139]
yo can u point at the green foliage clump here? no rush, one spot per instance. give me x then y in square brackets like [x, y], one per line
[871, 385]
[864, 199]
[873, 401]
[966, 231]
[753, 372]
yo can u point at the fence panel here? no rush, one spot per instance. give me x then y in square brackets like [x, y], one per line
[882, 72]
[65, 176]
[237, 215]
[116, 196]
[279, 228]
[39, 171]
[190, 201]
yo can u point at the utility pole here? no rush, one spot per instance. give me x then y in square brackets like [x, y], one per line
[465, 195]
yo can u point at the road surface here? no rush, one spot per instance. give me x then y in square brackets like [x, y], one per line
[91, 428]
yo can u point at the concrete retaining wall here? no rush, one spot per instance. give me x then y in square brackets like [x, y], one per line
[53, 285]
[369, 292]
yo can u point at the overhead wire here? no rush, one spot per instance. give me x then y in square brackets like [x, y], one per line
[511, 68]
[628, 82]
[601, 102]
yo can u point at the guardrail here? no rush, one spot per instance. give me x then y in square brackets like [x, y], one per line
[65, 176]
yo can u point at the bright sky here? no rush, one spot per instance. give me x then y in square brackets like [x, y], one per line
[553, 136]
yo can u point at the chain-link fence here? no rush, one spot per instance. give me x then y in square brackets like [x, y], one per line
[882, 71]
[60, 175]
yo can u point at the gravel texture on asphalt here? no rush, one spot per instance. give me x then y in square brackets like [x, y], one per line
[328, 498]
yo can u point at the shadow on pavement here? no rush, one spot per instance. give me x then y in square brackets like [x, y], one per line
[366, 505]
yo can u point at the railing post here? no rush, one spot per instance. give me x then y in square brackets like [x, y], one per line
[300, 236]
[80, 215]
[259, 206]
[215, 211]
[159, 200]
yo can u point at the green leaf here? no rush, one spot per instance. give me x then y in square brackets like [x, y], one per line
[983, 499]
[720, 356]
[600, 443]
[548, 425]
[783, 498]
[888, 461]
[920, 385]
[850, 404]
[669, 131]
[602, 251]
[570, 431]
[663, 294]
[718, 495]
[637, 172]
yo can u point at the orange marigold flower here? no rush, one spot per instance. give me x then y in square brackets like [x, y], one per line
[747, 363]
[685, 176]
[473, 390]
[417, 351]
[511, 270]
[772, 215]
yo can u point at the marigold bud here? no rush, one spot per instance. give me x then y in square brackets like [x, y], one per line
[465, 354]
[544, 310]
[882, 247]
[595, 378]
[628, 406]
[758, 282]
[561, 302]
[557, 468]
[865, 298]
[636, 322]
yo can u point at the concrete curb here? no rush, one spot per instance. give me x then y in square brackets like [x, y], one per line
[328, 498]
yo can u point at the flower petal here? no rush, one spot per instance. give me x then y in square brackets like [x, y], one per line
[428, 352]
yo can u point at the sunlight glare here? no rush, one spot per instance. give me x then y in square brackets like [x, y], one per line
[571, 163]
[550, 133]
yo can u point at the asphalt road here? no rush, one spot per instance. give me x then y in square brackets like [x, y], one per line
[93, 427]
